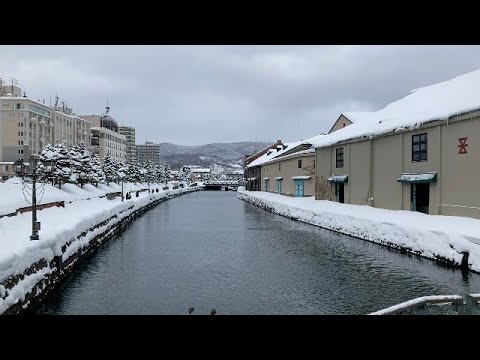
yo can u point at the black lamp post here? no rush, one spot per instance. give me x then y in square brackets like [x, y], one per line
[19, 168]
[121, 177]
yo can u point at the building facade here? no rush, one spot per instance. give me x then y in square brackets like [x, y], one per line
[106, 140]
[291, 175]
[24, 121]
[199, 174]
[252, 166]
[129, 133]
[432, 169]
[419, 153]
[70, 129]
[148, 152]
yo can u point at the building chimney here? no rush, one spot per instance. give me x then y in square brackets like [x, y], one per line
[279, 142]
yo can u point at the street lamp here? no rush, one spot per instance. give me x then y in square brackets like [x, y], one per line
[121, 176]
[19, 168]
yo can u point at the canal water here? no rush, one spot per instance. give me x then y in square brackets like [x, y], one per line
[209, 250]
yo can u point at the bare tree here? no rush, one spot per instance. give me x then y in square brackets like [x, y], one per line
[323, 189]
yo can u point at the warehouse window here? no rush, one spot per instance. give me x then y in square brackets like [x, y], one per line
[419, 147]
[339, 158]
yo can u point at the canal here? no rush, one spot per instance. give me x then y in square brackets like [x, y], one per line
[209, 250]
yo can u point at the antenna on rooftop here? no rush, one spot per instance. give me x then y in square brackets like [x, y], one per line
[107, 107]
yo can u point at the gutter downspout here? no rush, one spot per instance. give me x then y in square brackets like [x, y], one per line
[371, 192]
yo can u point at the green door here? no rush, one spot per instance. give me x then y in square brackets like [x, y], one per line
[298, 188]
[279, 186]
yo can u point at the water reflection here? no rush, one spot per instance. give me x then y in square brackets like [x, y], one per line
[210, 250]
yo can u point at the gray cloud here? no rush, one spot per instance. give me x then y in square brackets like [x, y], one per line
[201, 94]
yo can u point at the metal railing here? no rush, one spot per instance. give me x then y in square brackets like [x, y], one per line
[436, 305]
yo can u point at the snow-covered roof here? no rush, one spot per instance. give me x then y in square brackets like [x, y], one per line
[24, 98]
[200, 170]
[435, 102]
[269, 155]
[294, 155]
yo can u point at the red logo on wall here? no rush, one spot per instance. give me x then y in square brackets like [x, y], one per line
[463, 145]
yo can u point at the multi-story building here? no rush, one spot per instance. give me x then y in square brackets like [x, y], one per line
[106, 140]
[24, 121]
[129, 133]
[148, 152]
[70, 129]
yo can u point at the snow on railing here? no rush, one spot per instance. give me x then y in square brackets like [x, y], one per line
[421, 302]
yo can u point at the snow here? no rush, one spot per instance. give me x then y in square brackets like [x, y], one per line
[301, 177]
[193, 170]
[279, 178]
[12, 198]
[11, 97]
[338, 178]
[273, 154]
[430, 236]
[416, 302]
[436, 102]
[22, 288]
[417, 177]
[62, 226]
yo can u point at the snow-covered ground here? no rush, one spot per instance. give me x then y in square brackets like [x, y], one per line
[12, 198]
[431, 236]
[60, 226]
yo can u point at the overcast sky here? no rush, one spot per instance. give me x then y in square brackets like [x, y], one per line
[195, 95]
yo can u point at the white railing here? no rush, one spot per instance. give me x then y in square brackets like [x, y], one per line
[451, 304]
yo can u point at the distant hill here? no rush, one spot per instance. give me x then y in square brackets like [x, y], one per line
[230, 156]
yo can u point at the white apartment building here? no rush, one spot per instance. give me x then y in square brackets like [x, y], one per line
[70, 128]
[129, 133]
[24, 121]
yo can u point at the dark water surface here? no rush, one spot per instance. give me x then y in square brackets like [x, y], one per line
[210, 250]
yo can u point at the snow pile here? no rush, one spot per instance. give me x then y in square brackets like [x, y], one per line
[431, 236]
[22, 288]
[12, 197]
[436, 102]
[60, 226]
